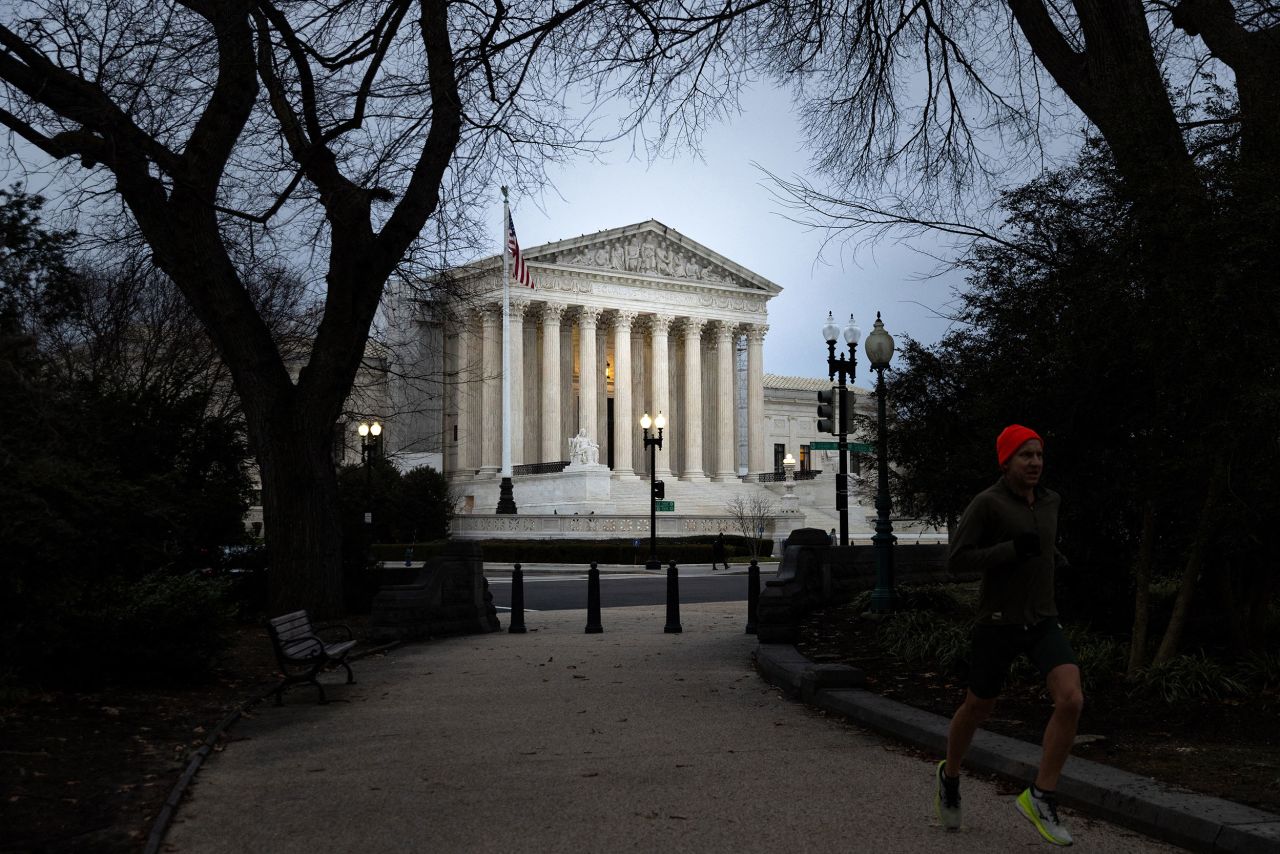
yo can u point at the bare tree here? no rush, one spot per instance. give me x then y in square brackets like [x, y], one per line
[909, 107]
[751, 514]
[363, 133]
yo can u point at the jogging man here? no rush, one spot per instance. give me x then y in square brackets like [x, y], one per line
[1008, 532]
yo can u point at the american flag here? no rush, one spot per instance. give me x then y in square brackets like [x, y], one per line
[518, 269]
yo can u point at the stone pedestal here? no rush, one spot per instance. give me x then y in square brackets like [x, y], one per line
[790, 502]
[581, 488]
[449, 597]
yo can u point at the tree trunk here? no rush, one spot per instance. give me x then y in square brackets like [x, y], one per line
[173, 193]
[1235, 616]
[1260, 589]
[302, 522]
[1117, 84]
[1141, 594]
[1195, 562]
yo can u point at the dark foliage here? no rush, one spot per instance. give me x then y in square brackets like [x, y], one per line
[34, 275]
[408, 508]
[697, 549]
[115, 481]
[1133, 385]
[623, 551]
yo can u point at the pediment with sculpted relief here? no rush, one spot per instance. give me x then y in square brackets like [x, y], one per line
[649, 249]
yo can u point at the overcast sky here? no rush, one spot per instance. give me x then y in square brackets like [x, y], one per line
[723, 203]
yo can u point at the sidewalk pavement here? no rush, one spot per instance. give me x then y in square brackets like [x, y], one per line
[560, 741]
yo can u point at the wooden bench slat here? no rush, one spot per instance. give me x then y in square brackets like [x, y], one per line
[297, 647]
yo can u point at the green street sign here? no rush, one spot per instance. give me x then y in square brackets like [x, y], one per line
[666, 505]
[855, 447]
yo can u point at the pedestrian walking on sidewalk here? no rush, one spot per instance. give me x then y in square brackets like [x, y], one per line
[718, 553]
[1009, 533]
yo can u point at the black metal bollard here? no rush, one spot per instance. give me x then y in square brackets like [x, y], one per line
[517, 602]
[753, 595]
[593, 601]
[673, 600]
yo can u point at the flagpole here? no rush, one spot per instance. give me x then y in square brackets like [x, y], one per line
[506, 498]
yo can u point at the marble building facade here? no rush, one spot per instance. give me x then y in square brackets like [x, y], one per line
[621, 322]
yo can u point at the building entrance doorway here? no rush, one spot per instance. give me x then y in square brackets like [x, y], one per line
[608, 429]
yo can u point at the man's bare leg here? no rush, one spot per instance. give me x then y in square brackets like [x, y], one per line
[1063, 683]
[964, 723]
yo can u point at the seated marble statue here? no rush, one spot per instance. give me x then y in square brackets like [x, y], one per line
[583, 450]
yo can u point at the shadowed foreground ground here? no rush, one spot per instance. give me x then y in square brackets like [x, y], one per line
[561, 741]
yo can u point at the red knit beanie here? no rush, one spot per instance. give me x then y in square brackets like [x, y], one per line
[1011, 439]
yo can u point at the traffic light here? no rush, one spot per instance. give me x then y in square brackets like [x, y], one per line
[826, 411]
[846, 411]
[659, 490]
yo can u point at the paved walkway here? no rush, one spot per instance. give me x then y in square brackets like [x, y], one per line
[559, 741]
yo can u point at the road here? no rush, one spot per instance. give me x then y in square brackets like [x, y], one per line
[569, 592]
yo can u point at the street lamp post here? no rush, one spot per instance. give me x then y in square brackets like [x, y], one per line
[653, 443]
[790, 501]
[845, 369]
[368, 436]
[880, 352]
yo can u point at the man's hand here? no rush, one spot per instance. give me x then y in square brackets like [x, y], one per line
[1027, 544]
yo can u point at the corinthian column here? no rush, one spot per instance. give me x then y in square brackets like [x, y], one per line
[471, 377]
[659, 389]
[551, 438]
[756, 461]
[491, 371]
[588, 377]
[515, 347]
[624, 422]
[692, 409]
[726, 410]
[464, 393]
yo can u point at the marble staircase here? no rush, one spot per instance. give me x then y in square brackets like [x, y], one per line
[700, 506]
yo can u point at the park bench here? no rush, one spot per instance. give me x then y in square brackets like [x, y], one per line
[302, 654]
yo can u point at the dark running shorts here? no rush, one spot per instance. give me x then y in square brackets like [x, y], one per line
[995, 648]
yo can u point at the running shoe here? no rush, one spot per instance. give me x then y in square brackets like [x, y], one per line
[1043, 813]
[947, 799]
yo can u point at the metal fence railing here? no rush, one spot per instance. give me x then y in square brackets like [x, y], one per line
[779, 477]
[539, 468]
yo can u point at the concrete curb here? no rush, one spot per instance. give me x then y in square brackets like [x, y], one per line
[1194, 821]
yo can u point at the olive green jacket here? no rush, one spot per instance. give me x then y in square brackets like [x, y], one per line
[1013, 592]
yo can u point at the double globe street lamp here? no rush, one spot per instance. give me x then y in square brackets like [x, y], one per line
[657, 489]
[880, 351]
[369, 434]
[845, 368]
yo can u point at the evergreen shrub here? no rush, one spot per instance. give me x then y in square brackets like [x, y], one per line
[1195, 676]
[1260, 670]
[628, 550]
[160, 628]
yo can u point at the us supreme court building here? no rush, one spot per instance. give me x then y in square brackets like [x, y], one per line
[627, 321]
